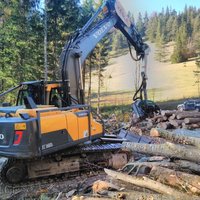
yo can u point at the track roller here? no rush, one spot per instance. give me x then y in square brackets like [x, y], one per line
[13, 171]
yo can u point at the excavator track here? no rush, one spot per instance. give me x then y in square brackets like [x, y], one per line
[72, 162]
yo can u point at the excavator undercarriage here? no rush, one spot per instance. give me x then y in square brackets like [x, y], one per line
[84, 159]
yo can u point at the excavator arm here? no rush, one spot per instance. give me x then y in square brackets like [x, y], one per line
[84, 41]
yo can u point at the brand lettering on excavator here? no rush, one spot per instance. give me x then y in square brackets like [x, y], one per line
[102, 30]
[47, 146]
[2, 136]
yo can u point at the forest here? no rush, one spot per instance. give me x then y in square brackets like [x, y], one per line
[22, 36]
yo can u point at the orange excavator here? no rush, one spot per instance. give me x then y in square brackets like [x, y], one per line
[39, 134]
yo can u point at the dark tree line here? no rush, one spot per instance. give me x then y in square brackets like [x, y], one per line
[182, 28]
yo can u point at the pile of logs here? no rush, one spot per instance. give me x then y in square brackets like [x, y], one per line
[176, 119]
[168, 171]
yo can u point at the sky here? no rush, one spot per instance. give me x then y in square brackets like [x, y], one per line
[135, 6]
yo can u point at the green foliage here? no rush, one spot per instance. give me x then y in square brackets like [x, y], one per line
[180, 50]
[20, 54]
[119, 42]
[160, 52]
[183, 28]
[63, 20]
[140, 25]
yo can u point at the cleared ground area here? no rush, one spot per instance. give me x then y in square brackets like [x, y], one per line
[166, 81]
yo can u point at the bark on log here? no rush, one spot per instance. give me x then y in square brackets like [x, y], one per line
[139, 167]
[176, 123]
[188, 115]
[181, 165]
[180, 180]
[173, 116]
[191, 120]
[155, 118]
[167, 113]
[167, 149]
[187, 165]
[194, 126]
[175, 137]
[146, 183]
[165, 125]
[162, 119]
[134, 195]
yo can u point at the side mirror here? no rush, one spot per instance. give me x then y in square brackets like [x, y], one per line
[6, 104]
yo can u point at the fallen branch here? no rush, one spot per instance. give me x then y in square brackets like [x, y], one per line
[182, 181]
[147, 183]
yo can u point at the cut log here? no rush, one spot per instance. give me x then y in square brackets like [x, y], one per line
[155, 118]
[180, 180]
[167, 149]
[175, 137]
[146, 183]
[165, 125]
[180, 165]
[143, 168]
[173, 116]
[163, 119]
[191, 120]
[188, 115]
[167, 113]
[159, 118]
[187, 165]
[176, 123]
[134, 195]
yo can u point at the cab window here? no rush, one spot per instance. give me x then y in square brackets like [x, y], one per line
[55, 98]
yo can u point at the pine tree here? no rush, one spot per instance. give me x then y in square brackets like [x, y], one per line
[152, 26]
[19, 53]
[146, 21]
[140, 25]
[160, 52]
[62, 21]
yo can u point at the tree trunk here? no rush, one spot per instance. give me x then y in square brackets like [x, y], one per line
[90, 81]
[175, 137]
[167, 149]
[165, 125]
[168, 113]
[191, 120]
[187, 165]
[99, 84]
[188, 115]
[177, 179]
[175, 123]
[146, 183]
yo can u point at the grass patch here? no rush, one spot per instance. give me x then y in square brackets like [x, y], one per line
[121, 111]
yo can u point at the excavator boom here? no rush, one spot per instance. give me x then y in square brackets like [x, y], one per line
[84, 41]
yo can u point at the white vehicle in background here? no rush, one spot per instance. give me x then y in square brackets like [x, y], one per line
[189, 105]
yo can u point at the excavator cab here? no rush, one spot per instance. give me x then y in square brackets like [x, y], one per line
[42, 93]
